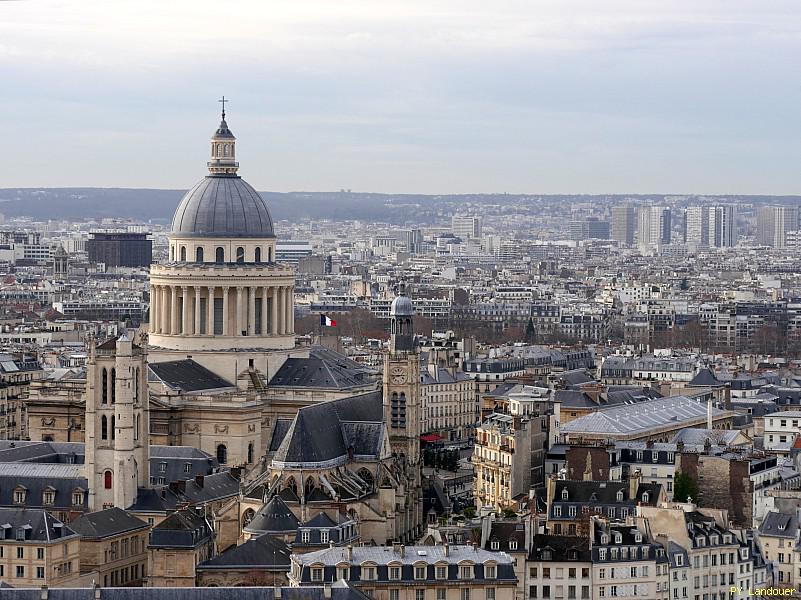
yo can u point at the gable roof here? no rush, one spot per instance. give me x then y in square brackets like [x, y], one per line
[261, 552]
[187, 376]
[324, 368]
[105, 523]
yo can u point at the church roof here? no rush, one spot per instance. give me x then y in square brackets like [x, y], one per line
[324, 368]
[257, 553]
[187, 376]
[323, 433]
[273, 517]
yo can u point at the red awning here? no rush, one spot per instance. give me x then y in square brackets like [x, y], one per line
[430, 437]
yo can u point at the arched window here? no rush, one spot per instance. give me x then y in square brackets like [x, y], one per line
[107, 480]
[225, 149]
[309, 487]
[136, 387]
[240, 254]
[366, 476]
[258, 255]
[219, 149]
[113, 385]
[136, 429]
[183, 253]
[222, 454]
[219, 255]
[199, 255]
[104, 390]
[172, 253]
[113, 427]
[291, 485]
[103, 428]
[270, 254]
[247, 516]
[250, 452]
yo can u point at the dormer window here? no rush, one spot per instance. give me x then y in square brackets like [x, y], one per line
[547, 554]
[714, 540]
[305, 536]
[679, 558]
[20, 534]
[620, 495]
[512, 544]
[564, 494]
[495, 544]
[618, 538]
[77, 498]
[324, 536]
[645, 497]
[20, 494]
[638, 537]
[49, 496]
[604, 539]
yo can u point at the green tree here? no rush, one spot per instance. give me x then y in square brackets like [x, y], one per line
[509, 513]
[531, 332]
[469, 512]
[684, 487]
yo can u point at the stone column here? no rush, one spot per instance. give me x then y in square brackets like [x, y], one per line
[289, 311]
[281, 309]
[210, 312]
[185, 318]
[265, 291]
[225, 327]
[164, 307]
[154, 308]
[274, 310]
[251, 310]
[174, 310]
[239, 311]
[197, 311]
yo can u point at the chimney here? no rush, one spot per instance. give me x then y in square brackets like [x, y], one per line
[350, 552]
[727, 396]
[446, 549]
[277, 592]
[199, 481]
[327, 590]
[403, 551]
[43, 593]
[634, 483]
[179, 487]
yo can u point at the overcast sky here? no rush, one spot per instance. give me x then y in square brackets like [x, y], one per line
[426, 96]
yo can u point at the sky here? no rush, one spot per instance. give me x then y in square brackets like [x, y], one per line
[409, 96]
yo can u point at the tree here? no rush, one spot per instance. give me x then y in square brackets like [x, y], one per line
[684, 487]
[509, 513]
[531, 331]
[469, 512]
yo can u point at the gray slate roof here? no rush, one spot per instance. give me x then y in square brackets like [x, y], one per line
[223, 206]
[273, 517]
[264, 552]
[38, 525]
[105, 523]
[187, 376]
[324, 368]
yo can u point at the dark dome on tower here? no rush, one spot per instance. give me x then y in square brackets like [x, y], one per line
[222, 204]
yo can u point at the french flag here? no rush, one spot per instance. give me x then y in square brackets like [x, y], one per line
[326, 321]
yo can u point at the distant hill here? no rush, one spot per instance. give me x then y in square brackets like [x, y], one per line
[158, 205]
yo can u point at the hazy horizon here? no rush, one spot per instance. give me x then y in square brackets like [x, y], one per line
[448, 97]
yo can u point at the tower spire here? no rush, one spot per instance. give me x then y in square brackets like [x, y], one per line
[223, 149]
[223, 101]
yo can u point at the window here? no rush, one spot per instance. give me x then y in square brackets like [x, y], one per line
[317, 574]
[489, 572]
[490, 593]
[368, 573]
[103, 427]
[20, 549]
[495, 544]
[183, 253]
[258, 255]
[19, 496]
[199, 255]
[305, 536]
[222, 454]
[465, 572]
[40, 554]
[512, 544]
[219, 255]
[465, 595]
[394, 594]
[394, 573]
[343, 572]
[39, 572]
[441, 572]
[20, 571]
[240, 254]
[420, 572]
[420, 594]
[324, 536]
[441, 593]
[107, 480]
[187, 467]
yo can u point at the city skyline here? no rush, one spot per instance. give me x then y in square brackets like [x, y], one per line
[407, 97]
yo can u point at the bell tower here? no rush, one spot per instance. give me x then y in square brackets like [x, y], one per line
[223, 149]
[117, 423]
[402, 381]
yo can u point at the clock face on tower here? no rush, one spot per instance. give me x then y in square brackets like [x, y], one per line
[397, 375]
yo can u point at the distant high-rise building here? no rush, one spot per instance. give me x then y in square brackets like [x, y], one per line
[623, 224]
[414, 241]
[654, 226]
[465, 226]
[773, 223]
[696, 225]
[723, 226]
[120, 249]
[590, 228]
